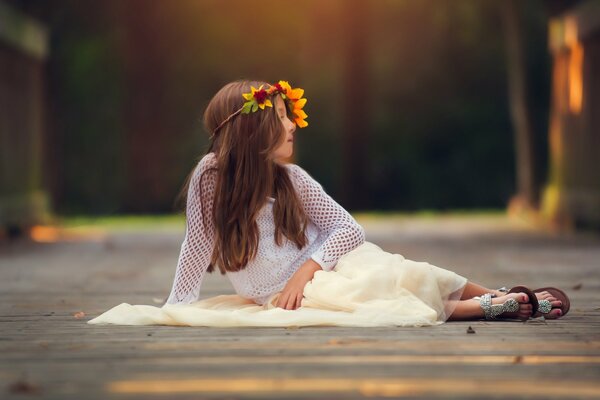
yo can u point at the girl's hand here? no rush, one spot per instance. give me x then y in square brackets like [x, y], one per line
[292, 294]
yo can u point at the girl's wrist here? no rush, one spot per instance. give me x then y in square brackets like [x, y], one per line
[311, 266]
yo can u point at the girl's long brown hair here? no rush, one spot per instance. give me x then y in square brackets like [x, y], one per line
[246, 175]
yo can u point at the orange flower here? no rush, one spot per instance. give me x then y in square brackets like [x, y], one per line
[300, 114]
[295, 102]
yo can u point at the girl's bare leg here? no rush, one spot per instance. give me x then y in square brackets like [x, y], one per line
[472, 289]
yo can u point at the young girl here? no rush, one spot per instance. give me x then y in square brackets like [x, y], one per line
[289, 249]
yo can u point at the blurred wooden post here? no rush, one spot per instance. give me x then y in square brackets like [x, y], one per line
[526, 196]
[23, 50]
[355, 102]
[572, 196]
[145, 58]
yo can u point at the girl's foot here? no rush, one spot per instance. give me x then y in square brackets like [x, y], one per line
[556, 304]
[511, 305]
[525, 307]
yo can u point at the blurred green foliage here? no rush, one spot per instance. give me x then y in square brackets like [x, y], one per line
[440, 135]
[126, 222]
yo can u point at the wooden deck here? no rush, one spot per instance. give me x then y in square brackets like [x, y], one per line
[47, 352]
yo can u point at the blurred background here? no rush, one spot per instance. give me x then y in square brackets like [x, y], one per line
[413, 105]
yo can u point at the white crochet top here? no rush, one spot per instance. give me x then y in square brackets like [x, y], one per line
[331, 233]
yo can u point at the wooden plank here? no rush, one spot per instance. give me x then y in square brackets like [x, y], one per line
[46, 349]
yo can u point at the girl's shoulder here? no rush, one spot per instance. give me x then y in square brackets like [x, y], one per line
[299, 176]
[294, 170]
[208, 161]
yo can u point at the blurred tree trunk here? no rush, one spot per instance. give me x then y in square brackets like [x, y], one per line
[355, 102]
[526, 197]
[23, 56]
[146, 58]
[572, 196]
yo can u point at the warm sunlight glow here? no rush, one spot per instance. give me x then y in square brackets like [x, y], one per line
[365, 386]
[575, 66]
[570, 31]
[576, 78]
[52, 234]
[44, 234]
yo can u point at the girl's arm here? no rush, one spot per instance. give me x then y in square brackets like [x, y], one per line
[343, 232]
[343, 235]
[197, 247]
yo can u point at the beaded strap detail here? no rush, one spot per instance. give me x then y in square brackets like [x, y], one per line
[545, 306]
[492, 311]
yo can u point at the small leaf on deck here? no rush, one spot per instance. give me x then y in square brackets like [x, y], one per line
[22, 386]
[518, 360]
[347, 341]
[79, 314]
[470, 330]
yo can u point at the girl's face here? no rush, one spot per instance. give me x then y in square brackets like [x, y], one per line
[286, 148]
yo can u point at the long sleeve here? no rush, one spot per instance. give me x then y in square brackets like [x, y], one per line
[343, 232]
[199, 241]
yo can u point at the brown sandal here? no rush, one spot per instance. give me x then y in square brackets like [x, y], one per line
[545, 305]
[532, 298]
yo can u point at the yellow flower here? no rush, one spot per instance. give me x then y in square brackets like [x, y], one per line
[285, 85]
[257, 98]
[266, 103]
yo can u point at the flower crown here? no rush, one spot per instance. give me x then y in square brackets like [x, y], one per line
[261, 98]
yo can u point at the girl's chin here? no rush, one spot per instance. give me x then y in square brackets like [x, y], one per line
[283, 159]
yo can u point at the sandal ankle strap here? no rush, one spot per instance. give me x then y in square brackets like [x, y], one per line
[492, 311]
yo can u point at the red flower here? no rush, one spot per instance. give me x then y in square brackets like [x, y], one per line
[260, 96]
[279, 88]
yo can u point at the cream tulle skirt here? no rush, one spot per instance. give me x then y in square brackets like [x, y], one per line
[368, 287]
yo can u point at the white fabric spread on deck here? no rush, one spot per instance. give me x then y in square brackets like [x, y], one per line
[367, 287]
